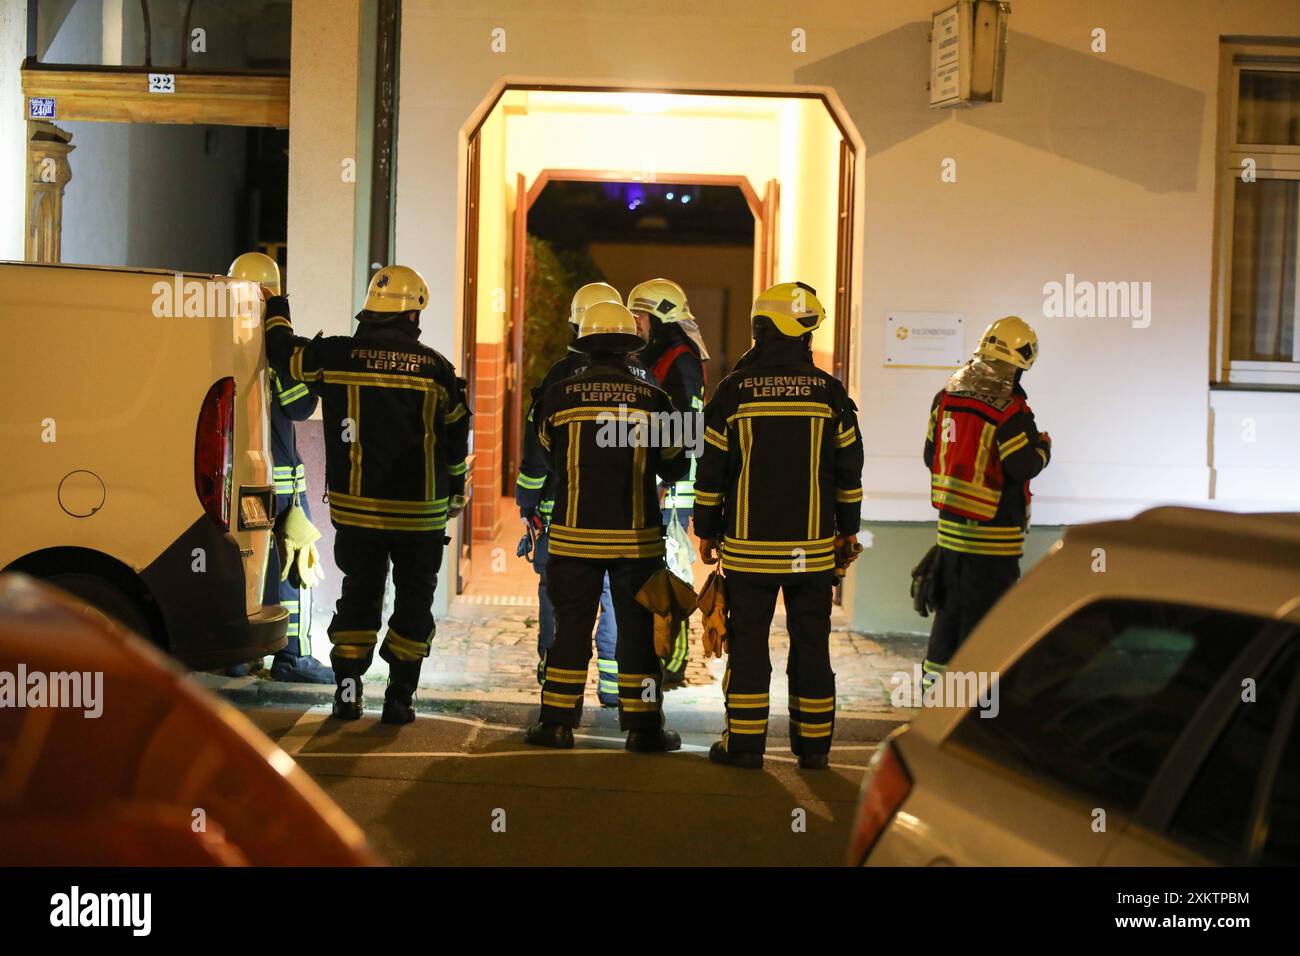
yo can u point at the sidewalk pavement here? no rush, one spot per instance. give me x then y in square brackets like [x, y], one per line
[487, 654]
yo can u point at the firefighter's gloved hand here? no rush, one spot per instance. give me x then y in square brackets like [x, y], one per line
[847, 550]
[456, 507]
[298, 537]
[708, 551]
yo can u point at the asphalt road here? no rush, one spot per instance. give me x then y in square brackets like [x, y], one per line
[461, 788]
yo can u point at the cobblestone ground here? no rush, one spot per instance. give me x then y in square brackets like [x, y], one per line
[489, 650]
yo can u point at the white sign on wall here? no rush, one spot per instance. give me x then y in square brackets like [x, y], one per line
[949, 56]
[924, 340]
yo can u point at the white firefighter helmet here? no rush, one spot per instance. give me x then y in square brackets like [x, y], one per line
[257, 267]
[792, 307]
[1010, 339]
[662, 298]
[608, 327]
[589, 295]
[396, 289]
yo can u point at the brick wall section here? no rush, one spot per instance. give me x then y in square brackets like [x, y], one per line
[489, 436]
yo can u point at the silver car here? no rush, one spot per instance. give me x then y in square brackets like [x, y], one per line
[1140, 706]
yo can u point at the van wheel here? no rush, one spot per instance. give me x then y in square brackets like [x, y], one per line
[100, 599]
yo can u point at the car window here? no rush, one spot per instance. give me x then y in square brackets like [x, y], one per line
[1282, 845]
[1097, 703]
[1215, 815]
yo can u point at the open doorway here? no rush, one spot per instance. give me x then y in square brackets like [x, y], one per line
[725, 193]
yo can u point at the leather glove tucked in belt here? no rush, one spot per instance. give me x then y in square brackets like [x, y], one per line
[298, 537]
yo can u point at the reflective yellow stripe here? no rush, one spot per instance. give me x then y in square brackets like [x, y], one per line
[607, 535]
[811, 730]
[430, 442]
[296, 370]
[746, 430]
[566, 701]
[813, 705]
[406, 649]
[354, 453]
[980, 492]
[276, 322]
[980, 531]
[387, 523]
[638, 485]
[815, 427]
[381, 380]
[987, 435]
[950, 499]
[575, 434]
[591, 413]
[637, 706]
[849, 496]
[459, 412]
[392, 505]
[748, 700]
[777, 548]
[708, 498]
[846, 438]
[1012, 445]
[716, 439]
[565, 676]
[747, 726]
[780, 410]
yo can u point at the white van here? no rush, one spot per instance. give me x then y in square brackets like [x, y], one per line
[135, 470]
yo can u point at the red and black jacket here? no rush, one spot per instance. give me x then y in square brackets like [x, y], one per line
[981, 453]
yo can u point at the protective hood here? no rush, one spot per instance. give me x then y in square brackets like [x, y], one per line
[981, 379]
[692, 331]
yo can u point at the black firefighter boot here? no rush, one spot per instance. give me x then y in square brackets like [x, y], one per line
[399, 698]
[653, 740]
[347, 688]
[543, 734]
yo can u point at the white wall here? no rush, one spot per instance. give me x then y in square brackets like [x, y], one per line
[1095, 164]
[13, 129]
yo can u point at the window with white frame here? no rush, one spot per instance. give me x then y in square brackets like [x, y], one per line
[1258, 339]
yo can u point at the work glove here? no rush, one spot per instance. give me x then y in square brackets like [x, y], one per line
[709, 550]
[672, 601]
[847, 550]
[298, 537]
[713, 609]
[456, 506]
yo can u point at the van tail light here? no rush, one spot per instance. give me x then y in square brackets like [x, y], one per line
[214, 451]
[887, 787]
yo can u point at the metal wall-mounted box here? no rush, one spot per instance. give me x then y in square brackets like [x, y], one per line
[968, 45]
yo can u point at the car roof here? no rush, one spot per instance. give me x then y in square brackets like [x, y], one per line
[1258, 537]
[123, 270]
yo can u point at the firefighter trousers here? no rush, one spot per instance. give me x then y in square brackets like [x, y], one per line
[967, 587]
[606, 631]
[574, 586]
[364, 556]
[751, 602]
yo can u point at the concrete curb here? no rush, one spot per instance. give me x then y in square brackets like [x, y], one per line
[687, 708]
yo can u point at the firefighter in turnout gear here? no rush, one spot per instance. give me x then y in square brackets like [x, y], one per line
[290, 402]
[982, 448]
[535, 496]
[675, 357]
[396, 431]
[779, 490]
[600, 431]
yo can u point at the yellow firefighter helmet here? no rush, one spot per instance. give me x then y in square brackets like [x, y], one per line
[396, 289]
[589, 295]
[662, 298]
[257, 267]
[1009, 339]
[608, 327]
[792, 307]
